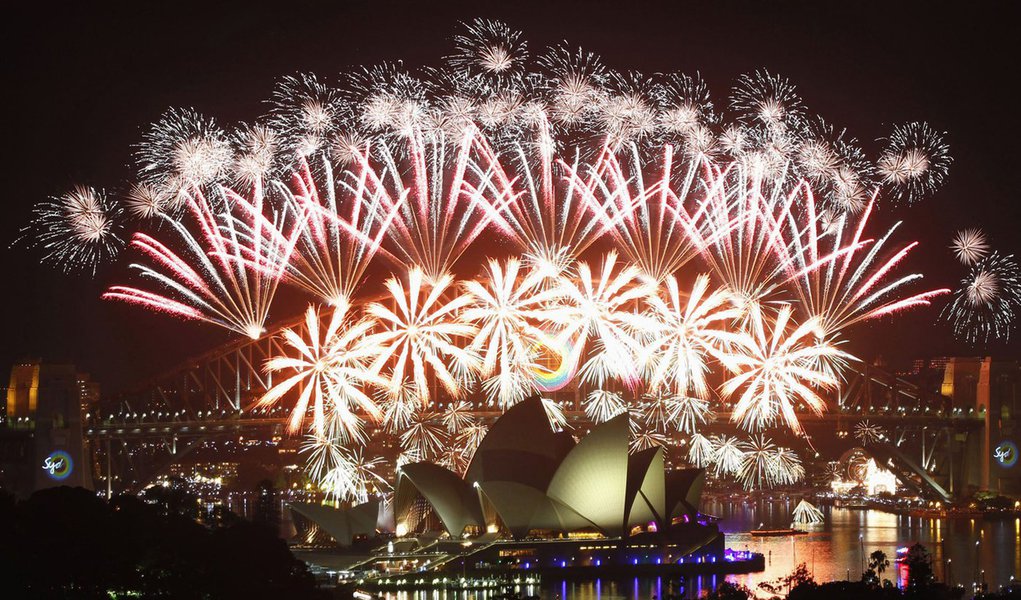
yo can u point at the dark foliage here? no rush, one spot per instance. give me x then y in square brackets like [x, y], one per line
[67, 543]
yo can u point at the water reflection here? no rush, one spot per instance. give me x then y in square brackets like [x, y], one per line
[835, 550]
[839, 548]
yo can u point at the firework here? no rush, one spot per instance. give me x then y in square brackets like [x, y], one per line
[420, 333]
[701, 452]
[548, 218]
[868, 433]
[506, 308]
[688, 414]
[768, 100]
[489, 48]
[329, 368]
[728, 455]
[687, 332]
[212, 281]
[739, 228]
[915, 161]
[765, 465]
[640, 210]
[424, 437]
[597, 308]
[644, 437]
[787, 467]
[443, 202]
[970, 246]
[844, 283]
[184, 152]
[337, 236]
[306, 113]
[601, 405]
[757, 463]
[988, 300]
[779, 371]
[458, 416]
[77, 231]
[555, 414]
[469, 438]
[398, 408]
[147, 202]
[342, 474]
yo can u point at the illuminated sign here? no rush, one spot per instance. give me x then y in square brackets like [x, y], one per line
[58, 465]
[1006, 454]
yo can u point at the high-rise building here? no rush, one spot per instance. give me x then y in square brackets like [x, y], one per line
[41, 443]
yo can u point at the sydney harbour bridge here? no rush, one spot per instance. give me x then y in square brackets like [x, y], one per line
[939, 434]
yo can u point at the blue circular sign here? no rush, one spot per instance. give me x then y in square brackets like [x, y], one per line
[1006, 454]
[58, 465]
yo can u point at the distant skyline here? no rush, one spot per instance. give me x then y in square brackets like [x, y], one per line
[85, 83]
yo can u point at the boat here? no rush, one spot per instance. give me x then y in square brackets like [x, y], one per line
[777, 532]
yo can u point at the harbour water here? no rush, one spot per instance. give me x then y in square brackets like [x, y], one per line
[964, 551]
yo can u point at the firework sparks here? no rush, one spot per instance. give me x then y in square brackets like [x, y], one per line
[687, 333]
[970, 246]
[846, 283]
[728, 455]
[213, 279]
[986, 304]
[420, 332]
[506, 309]
[458, 416]
[183, 152]
[598, 308]
[779, 371]
[601, 405]
[869, 433]
[701, 452]
[329, 368]
[915, 161]
[77, 231]
[425, 438]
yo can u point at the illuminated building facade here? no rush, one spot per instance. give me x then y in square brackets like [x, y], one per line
[534, 499]
[41, 443]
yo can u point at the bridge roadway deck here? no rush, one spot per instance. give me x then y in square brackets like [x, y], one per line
[237, 424]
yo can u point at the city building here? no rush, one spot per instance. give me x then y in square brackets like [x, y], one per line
[41, 443]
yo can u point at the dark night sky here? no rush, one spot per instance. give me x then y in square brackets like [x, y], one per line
[82, 84]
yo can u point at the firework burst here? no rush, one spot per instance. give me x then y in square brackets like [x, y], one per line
[332, 369]
[77, 231]
[779, 371]
[420, 332]
[970, 246]
[601, 405]
[915, 162]
[213, 280]
[986, 304]
[869, 433]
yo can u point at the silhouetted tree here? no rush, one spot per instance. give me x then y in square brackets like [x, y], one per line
[878, 563]
[67, 543]
[730, 591]
[920, 574]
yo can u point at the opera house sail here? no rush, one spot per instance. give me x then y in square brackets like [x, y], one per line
[533, 498]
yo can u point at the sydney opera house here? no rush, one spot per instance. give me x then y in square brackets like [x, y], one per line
[535, 499]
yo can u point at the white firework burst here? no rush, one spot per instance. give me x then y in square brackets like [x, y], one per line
[970, 246]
